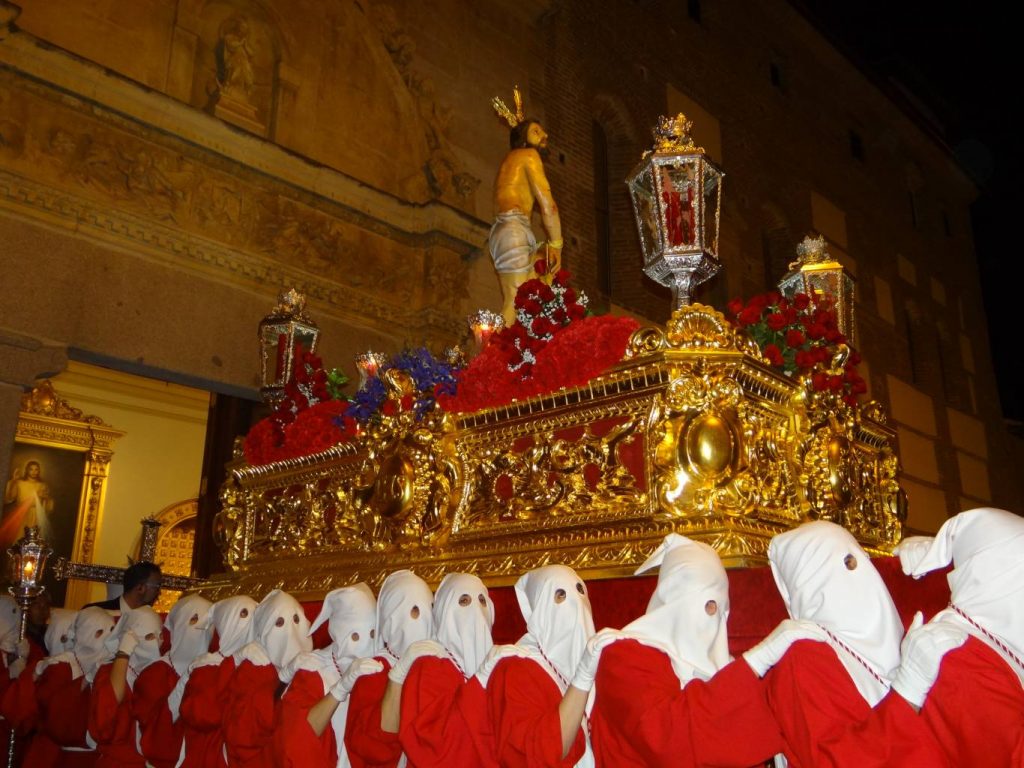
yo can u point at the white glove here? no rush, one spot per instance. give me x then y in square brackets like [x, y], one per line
[586, 669]
[17, 667]
[417, 650]
[341, 689]
[769, 651]
[129, 641]
[496, 654]
[922, 651]
[255, 654]
[912, 551]
[23, 649]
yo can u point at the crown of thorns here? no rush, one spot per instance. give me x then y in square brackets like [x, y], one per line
[512, 118]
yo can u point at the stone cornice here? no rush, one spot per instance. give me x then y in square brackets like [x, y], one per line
[428, 222]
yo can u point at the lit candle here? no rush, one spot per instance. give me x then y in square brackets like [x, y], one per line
[369, 363]
[484, 323]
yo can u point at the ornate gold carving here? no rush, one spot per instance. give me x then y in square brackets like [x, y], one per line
[672, 134]
[43, 400]
[693, 433]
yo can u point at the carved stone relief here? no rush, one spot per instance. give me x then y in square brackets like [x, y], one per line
[51, 140]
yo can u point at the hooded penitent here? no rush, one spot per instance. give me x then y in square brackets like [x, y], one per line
[986, 549]
[60, 635]
[678, 621]
[232, 618]
[282, 628]
[559, 621]
[146, 626]
[91, 629]
[404, 613]
[351, 617]
[463, 618]
[824, 576]
[190, 631]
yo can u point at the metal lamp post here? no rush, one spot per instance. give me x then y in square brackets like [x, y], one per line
[27, 561]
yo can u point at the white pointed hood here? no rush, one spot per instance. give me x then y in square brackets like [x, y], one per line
[91, 628]
[282, 629]
[851, 602]
[232, 619]
[404, 613]
[351, 617]
[986, 548]
[147, 627]
[559, 621]
[190, 631]
[60, 635]
[677, 620]
[463, 619]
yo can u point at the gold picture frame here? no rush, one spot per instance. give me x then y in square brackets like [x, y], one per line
[79, 448]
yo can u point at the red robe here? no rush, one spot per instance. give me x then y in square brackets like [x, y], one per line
[523, 702]
[826, 722]
[444, 718]
[63, 706]
[202, 712]
[369, 746]
[642, 717]
[161, 735]
[249, 715]
[976, 707]
[111, 724]
[295, 743]
[19, 710]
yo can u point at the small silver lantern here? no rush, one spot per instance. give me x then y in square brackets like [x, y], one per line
[816, 273]
[369, 363]
[27, 561]
[677, 199]
[281, 334]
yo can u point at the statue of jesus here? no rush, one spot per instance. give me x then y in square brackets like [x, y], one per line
[521, 184]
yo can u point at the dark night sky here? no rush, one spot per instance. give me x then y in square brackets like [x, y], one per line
[964, 63]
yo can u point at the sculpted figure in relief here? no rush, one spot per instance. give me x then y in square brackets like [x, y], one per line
[235, 76]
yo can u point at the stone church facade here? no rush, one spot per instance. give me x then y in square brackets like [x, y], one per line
[168, 166]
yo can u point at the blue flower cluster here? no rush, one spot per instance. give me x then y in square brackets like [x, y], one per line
[430, 375]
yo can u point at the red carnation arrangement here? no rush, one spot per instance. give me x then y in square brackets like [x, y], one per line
[799, 337]
[544, 305]
[551, 345]
[307, 420]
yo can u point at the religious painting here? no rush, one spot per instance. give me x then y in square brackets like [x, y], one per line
[44, 489]
[56, 483]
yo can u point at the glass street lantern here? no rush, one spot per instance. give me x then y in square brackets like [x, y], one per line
[677, 198]
[27, 561]
[282, 334]
[816, 273]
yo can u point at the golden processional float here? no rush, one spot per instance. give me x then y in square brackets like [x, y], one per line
[696, 429]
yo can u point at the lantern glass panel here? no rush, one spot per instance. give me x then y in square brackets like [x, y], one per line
[275, 353]
[646, 210]
[712, 200]
[307, 338]
[679, 199]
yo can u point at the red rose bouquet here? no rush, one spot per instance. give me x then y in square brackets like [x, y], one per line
[799, 336]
